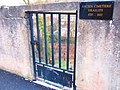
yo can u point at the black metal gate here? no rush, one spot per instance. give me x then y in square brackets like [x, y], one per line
[53, 41]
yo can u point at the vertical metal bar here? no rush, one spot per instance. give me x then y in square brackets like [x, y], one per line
[44, 72]
[59, 36]
[52, 39]
[45, 38]
[38, 37]
[32, 42]
[74, 86]
[68, 41]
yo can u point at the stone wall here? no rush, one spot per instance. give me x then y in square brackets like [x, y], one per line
[98, 46]
[98, 53]
[14, 43]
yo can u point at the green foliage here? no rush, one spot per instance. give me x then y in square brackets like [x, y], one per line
[63, 63]
[41, 28]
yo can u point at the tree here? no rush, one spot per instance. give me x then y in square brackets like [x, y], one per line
[48, 37]
[27, 2]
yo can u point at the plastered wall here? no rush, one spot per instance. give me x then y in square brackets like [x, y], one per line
[98, 46]
[98, 53]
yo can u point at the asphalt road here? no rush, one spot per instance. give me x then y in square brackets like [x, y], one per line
[10, 81]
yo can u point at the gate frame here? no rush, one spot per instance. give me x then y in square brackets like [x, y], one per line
[30, 14]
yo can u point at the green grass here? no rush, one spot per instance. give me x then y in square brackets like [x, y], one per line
[63, 63]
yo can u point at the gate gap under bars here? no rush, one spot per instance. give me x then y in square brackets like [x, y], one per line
[53, 41]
